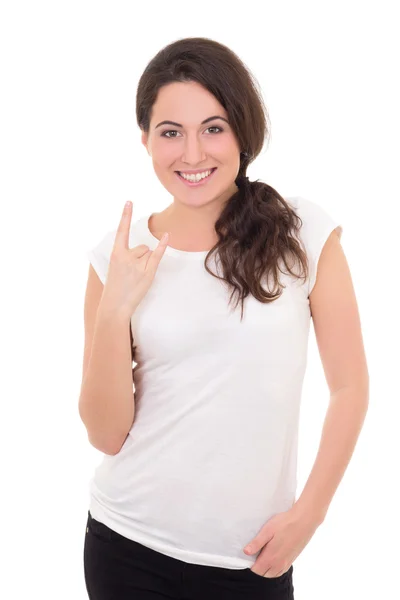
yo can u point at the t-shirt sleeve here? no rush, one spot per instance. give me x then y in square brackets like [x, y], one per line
[99, 256]
[318, 224]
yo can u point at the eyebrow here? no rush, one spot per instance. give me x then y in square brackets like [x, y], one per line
[202, 123]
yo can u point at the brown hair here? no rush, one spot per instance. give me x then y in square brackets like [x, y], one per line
[255, 225]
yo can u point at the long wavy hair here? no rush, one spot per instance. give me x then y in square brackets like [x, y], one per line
[257, 229]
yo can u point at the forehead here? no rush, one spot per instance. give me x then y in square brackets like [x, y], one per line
[187, 102]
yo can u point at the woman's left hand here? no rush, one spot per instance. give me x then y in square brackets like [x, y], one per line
[281, 540]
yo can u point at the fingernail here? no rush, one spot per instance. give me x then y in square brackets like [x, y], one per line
[127, 204]
[164, 237]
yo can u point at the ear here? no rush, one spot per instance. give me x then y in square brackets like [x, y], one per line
[145, 140]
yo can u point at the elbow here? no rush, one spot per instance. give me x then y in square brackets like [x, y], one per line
[109, 444]
[110, 447]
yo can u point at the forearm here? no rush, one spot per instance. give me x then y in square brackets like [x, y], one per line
[106, 402]
[343, 422]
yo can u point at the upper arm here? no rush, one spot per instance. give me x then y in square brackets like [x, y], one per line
[336, 319]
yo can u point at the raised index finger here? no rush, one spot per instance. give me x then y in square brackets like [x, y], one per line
[122, 235]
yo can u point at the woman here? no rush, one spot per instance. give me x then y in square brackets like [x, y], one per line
[200, 459]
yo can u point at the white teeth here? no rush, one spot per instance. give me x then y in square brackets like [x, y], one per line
[195, 177]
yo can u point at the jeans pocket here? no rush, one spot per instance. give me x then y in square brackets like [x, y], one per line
[278, 579]
[253, 574]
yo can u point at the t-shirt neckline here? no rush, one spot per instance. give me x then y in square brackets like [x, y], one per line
[169, 250]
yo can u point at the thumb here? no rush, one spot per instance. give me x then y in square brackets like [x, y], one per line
[262, 538]
[252, 547]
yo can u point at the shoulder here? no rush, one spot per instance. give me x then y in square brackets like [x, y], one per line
[319, 228]
[317, 221]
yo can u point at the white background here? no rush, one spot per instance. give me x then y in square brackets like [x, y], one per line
[71, 156]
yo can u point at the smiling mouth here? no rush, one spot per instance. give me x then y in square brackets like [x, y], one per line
[196, 172]
[196, 181]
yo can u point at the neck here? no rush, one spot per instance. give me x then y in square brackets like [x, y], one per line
[197, 219]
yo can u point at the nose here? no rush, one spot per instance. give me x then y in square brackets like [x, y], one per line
[193, 152]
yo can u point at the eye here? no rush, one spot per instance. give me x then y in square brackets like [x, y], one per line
[215, 127]
[164, 134]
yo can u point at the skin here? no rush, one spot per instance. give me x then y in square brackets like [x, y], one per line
[191, 216]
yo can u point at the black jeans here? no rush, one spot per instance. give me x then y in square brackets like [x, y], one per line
[117, 568]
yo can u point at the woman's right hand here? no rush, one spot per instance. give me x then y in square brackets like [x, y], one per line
[131, 271]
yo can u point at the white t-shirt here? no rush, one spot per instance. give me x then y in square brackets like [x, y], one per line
[212, 453]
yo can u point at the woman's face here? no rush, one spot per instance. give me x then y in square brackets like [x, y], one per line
[192, 145]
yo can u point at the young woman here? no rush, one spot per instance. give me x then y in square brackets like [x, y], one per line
[200, 438]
